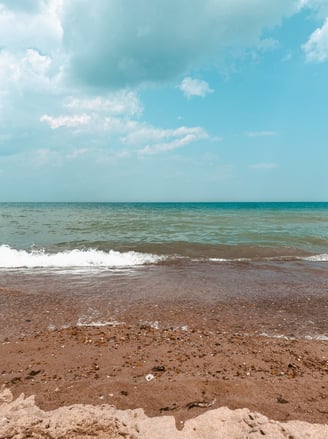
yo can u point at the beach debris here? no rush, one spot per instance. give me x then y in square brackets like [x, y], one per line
[291, 365]
[203, 404]
[282, 400]
[145, 327]
[159, 369]
[32, 374]
[149, 377]
[16, 380]
[174, 406]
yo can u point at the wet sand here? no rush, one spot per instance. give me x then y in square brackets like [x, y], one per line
[201, 347]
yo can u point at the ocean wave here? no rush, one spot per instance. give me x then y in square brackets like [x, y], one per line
[317, 258]
[12, 258]
[230, 260]
[313, 258]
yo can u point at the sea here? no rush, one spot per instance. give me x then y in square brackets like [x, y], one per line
[88, 263]
[116, 235]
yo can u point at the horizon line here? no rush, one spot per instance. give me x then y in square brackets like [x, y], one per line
[167, 202]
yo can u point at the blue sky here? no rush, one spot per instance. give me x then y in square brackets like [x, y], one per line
[152, 100]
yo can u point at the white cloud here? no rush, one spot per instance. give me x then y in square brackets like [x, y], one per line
[316, 48]
[264, 166]
[159, 140]
[74, 121]
[123, 130]
[120, 103]
[20, 30]
[168, 146]
[144, 133]
[31, 58]
[26, 70]
[194, 87]
[36, 63]
[261, 133]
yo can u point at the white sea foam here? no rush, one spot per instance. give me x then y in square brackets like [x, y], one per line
[317, 258]
[11, 258]
[280, 336]
[320, 337]
[314, 258]
[230, 260]
[99, 323]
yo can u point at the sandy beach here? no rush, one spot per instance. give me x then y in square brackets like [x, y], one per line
[171, 356]
[170, 371]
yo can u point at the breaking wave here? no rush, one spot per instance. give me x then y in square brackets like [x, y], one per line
[12, 258]
[317, 258]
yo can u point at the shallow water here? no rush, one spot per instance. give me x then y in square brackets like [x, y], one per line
[276, 298]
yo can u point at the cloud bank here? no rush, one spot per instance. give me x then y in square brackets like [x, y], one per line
[127, 43]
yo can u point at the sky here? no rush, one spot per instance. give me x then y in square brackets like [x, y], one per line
[152, 100]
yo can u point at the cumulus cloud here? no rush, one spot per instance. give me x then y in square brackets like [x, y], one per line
[26, 70]
[74, 121]
[195, 87]
[128, 43]
[316, 48]
[124, 102]
[39, 29]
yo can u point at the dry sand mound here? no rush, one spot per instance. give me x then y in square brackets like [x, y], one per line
[21, 418]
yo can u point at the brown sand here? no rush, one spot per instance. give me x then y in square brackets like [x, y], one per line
[199, 355]
[193, 369]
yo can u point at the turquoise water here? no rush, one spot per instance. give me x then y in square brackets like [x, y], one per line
[138, 233]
